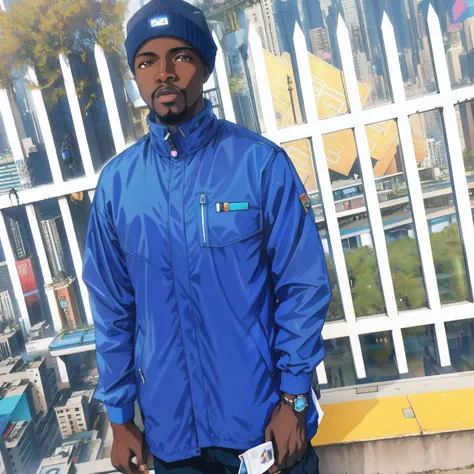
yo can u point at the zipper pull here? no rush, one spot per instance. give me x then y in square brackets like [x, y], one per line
[202, 201]
[141, 375]
[169, 139]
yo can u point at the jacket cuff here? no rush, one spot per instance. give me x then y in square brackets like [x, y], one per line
[122, 414]
[296, 384]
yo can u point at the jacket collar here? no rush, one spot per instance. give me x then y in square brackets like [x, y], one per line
[189, 137]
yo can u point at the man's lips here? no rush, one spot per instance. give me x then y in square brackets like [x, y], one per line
[167, 96]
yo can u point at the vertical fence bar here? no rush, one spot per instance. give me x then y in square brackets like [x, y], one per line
[45, 127]
[371, 196]
[454, 144]
[76, 254]
[110, 100]
[263, 88]
[45, 270]
[327, 196]
[223, 83]
[77, 116]
[414, 186]
[321, 373]
[24, 317]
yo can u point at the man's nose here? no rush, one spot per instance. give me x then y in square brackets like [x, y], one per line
[166, 72]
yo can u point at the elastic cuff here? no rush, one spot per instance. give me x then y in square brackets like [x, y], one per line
[122, 414]
[296, 384]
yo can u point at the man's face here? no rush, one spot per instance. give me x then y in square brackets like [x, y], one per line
[170, 75]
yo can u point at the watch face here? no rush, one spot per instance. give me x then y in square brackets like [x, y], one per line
[300, 404]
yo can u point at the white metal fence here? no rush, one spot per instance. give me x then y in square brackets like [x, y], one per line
[313, 129]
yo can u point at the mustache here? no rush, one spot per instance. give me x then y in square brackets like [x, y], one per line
[168, 89]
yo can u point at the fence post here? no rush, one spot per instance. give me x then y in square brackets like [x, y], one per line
[15, 278]
[371, 196]
[458, 171]
[76, 254]
[414, 187]
[327, 196]
[45, 270]
[223, 83]
[45, 127]
[77, 116]
[263, 85]
[110, 100]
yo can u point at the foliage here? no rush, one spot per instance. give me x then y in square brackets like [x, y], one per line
[35, 32]
[406, 272]
[236, 84]
[468, 160]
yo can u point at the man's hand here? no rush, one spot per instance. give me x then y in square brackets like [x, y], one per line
[128, 442]
[287, 430]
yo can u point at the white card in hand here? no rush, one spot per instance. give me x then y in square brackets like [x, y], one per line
[257, 460]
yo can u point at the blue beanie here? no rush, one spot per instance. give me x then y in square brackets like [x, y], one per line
[174, 18]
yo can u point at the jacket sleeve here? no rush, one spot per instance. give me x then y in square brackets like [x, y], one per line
[113, 308]
[299, 274]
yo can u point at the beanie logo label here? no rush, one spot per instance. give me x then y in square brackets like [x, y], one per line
[159, 21]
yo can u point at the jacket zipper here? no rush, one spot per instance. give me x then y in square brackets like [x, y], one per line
[202, 200]
[169, 139]
[141, 375]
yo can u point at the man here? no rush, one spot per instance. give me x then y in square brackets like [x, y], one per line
[206, 274]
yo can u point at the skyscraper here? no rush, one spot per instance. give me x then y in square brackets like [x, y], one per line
[320, 43]
[312, 14]
[54, 249]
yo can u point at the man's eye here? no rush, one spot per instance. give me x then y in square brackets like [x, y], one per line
[144, 64]
[183, 57]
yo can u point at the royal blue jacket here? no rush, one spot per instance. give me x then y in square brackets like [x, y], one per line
[208, 286]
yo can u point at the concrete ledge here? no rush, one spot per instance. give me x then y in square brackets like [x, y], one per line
[414, 454]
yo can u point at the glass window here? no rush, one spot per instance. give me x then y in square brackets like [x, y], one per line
[395, 208]
[434, 171]
[339, 364]
[354, 226]
[379, 357]
[28, 267]
[461, 344]
[465, 118]
[65, 283]
[421, 351]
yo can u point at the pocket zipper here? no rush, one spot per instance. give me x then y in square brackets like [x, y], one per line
[141, 375]
[202, 200]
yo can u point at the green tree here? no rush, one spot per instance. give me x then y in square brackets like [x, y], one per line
[468, 160]
[449, 264]
[406, 273]
[36, 32]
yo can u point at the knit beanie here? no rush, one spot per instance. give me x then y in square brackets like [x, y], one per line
[174, 18]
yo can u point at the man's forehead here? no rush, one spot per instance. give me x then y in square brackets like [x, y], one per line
[163, 44]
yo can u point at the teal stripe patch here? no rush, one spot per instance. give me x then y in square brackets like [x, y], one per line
[238, 206]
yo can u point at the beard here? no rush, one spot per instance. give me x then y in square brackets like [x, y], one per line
[171, 118]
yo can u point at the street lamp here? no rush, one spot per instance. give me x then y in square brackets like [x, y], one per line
[290, 90]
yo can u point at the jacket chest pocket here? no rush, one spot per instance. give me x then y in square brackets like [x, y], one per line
[224, 223]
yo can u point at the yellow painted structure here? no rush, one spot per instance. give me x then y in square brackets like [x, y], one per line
[340, 147]
[384, 418]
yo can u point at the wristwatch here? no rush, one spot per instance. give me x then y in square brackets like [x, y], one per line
[299, 404]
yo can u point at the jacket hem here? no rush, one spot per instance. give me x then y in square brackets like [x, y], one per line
[214, 443]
